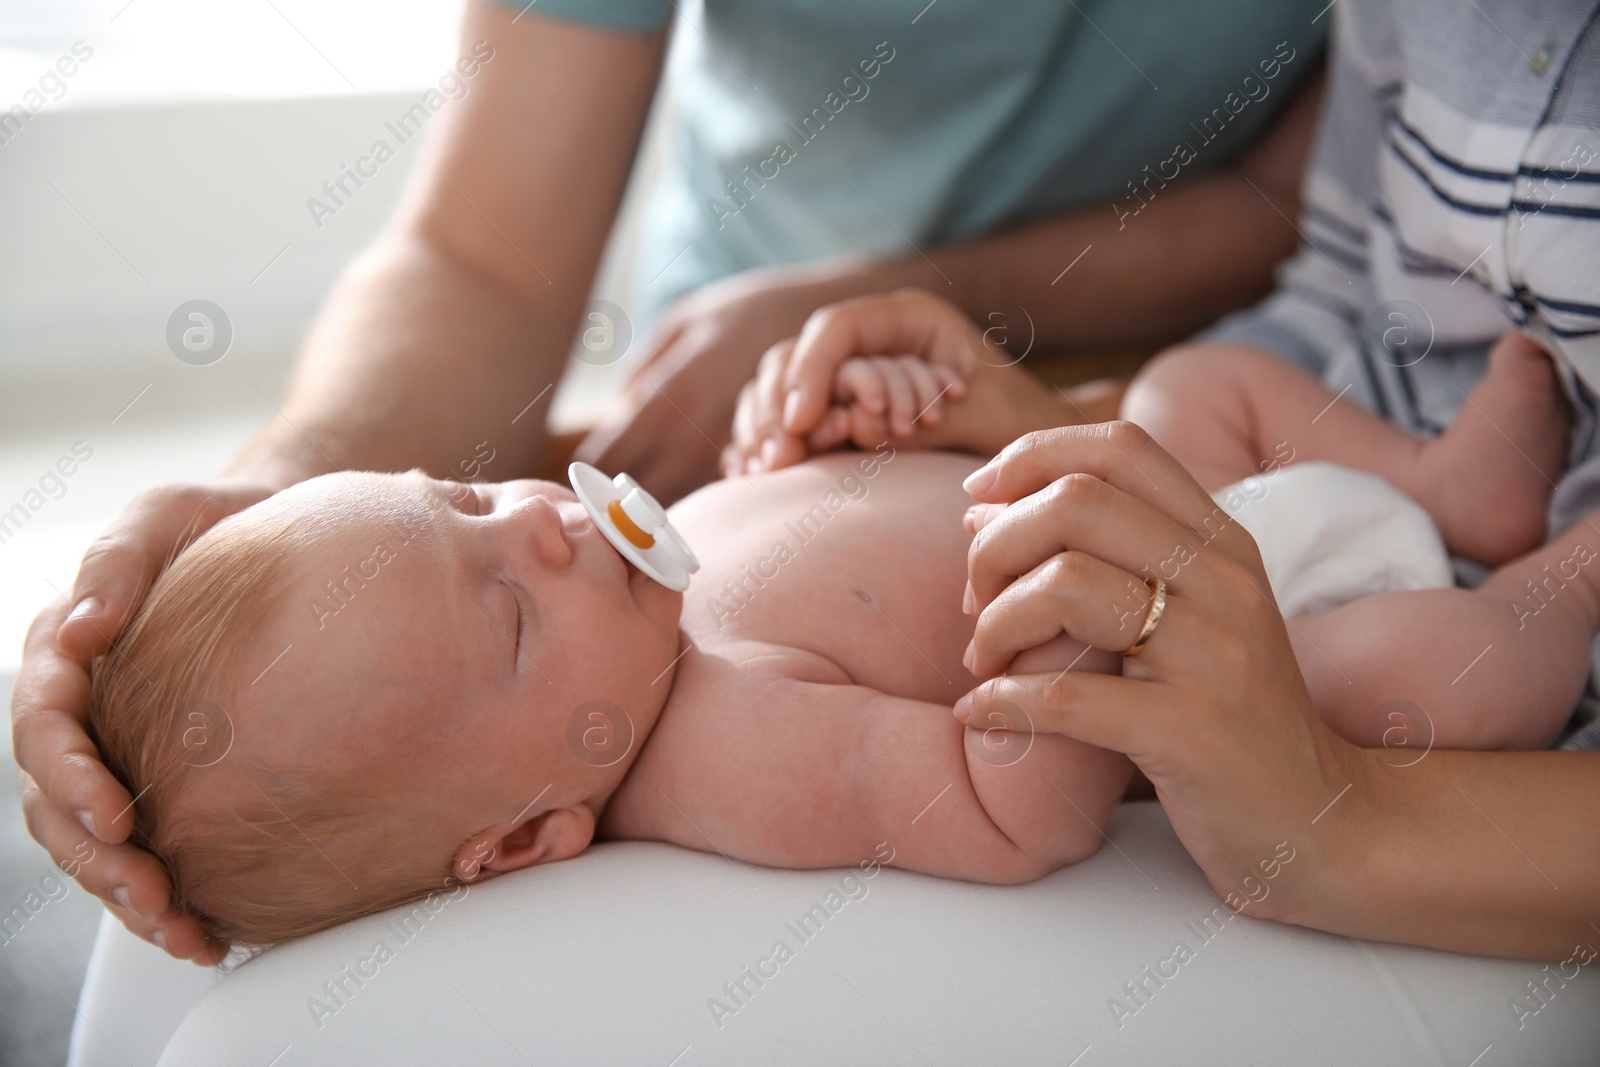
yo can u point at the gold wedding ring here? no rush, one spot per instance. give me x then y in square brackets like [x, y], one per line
[1158, 605]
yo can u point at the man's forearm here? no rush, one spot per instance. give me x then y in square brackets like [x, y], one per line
[1199, 250]
[1496, 853]
[414, 361]
[439, 337]
[1200, 246]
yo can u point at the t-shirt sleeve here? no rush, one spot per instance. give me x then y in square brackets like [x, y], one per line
[639, 16]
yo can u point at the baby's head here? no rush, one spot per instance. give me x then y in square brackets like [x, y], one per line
[370, 687]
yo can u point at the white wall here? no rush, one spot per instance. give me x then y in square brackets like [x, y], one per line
[153, 181]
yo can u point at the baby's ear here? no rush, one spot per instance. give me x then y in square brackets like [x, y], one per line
[553, 835]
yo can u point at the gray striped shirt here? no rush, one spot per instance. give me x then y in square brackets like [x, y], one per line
[1454, 192]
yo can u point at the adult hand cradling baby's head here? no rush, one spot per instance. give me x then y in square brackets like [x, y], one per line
[358, 692]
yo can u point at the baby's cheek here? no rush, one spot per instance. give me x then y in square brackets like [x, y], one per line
[1062, 652]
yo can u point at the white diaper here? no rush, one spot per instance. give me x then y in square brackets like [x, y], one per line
[1329, 535]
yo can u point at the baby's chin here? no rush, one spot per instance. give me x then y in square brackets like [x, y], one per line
[654, 599]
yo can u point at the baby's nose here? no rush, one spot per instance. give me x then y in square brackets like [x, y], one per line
[536, 523]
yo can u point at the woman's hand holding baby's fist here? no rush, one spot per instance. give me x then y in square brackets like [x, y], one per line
[73, 805]
[1214, 710]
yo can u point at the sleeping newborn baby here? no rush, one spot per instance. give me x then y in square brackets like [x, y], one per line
[372, 686]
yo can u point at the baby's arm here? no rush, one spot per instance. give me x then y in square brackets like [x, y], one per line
[1500, 666]
[1006, 807]
[809, 774]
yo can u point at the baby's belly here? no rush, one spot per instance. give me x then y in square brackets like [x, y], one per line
[858, 557]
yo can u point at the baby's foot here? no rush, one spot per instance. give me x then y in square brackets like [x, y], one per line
[1487, 480]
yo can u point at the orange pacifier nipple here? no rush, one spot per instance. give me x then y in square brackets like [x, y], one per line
[635, 524]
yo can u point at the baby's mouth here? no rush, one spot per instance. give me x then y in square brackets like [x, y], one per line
[578, 526]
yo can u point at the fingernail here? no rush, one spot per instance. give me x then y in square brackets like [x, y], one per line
[969, 655]
[769, 452]
[963, 708]
[968, 600]
[160, 940]
[89, 605]
[791, 409]
[980, 480]
[120, 895]
[86, 817]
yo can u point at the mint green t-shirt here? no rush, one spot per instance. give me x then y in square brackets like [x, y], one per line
[809, 128]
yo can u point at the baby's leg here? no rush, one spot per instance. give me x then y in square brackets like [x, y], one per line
[1201, 402]
[1229, 411]
[1501, 666]
[1486, 481]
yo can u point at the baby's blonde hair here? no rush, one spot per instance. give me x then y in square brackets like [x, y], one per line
[258, 869]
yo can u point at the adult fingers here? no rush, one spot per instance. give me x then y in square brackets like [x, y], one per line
[1118, 453]
[834, 431]
[666, 338]
[746, 441]
[780, 450]
[757, 423]
[769, 387]
[49, 707]
[907, 320]
[1107, 710]
[1071, 592]
[121, 563]
[668, 432]
[127, 879]
[177, 933]
[1080, 512]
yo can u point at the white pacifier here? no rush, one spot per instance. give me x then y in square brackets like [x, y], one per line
[636, 524]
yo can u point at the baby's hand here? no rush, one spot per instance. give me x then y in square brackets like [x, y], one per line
[832, 384]
[877, 398]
